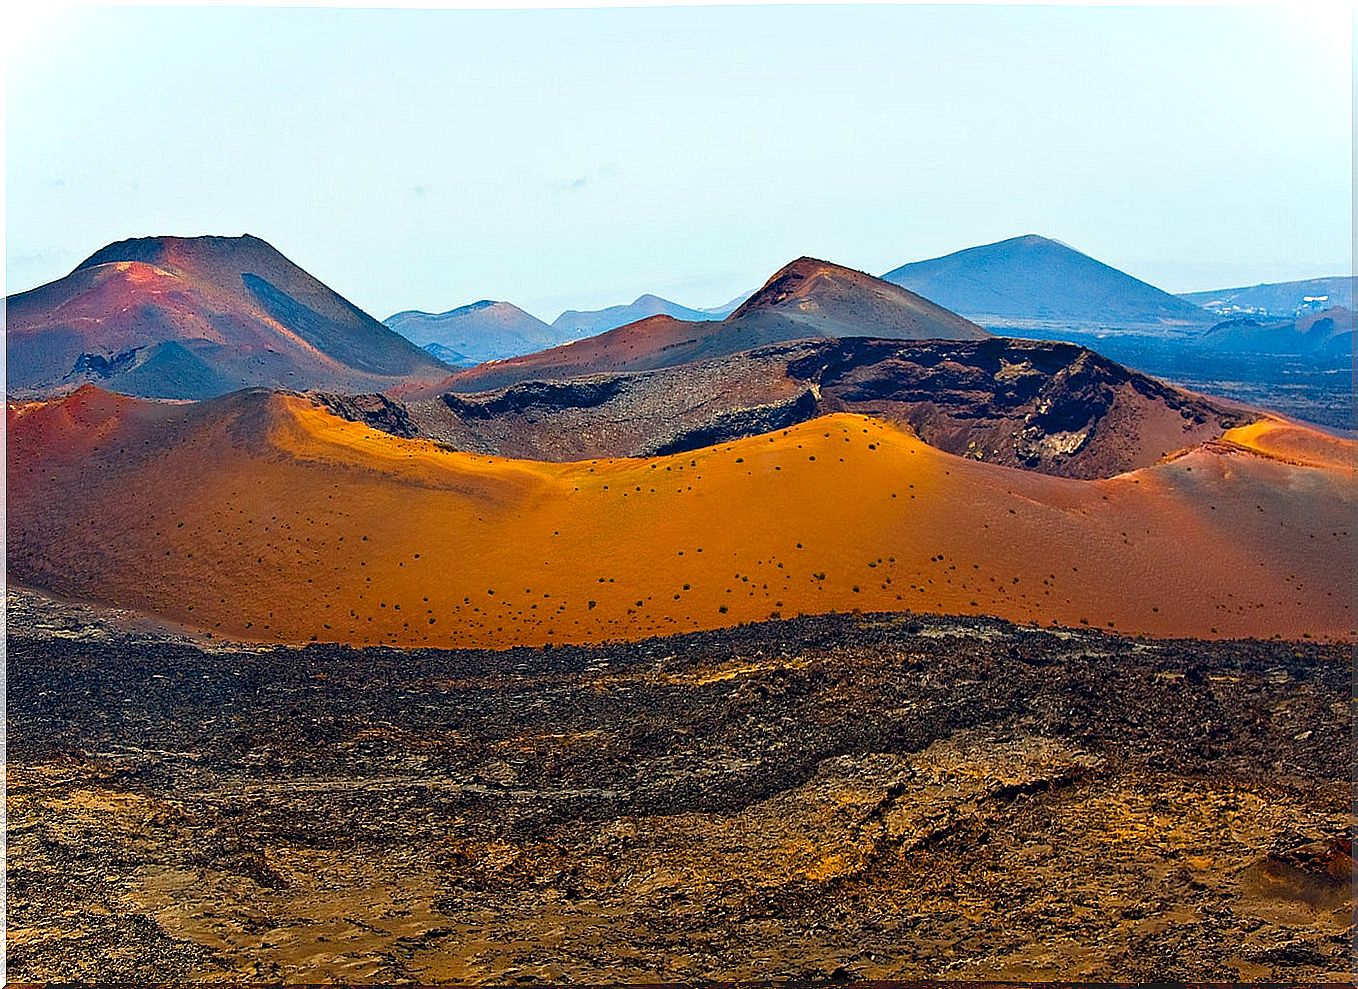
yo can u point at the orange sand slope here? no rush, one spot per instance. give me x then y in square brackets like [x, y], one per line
[260, 516]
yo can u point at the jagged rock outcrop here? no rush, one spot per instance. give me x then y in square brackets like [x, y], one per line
[377, 411]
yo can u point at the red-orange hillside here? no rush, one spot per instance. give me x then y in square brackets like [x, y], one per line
[261, 516]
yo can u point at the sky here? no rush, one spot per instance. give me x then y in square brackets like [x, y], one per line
[424, 159]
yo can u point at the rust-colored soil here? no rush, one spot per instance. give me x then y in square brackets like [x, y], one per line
[261, 516]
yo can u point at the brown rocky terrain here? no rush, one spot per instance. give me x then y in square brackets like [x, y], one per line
[375, 410]
[1051, 407]
[839, 797]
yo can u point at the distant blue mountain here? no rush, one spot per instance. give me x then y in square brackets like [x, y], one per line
[449, 356]
[1326, 334]
[1277, 298]
[1033, 281]
[482, 331]
[573, 324]
[721, 312]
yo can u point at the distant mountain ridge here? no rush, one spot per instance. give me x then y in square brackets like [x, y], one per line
[806, 299]
[726, 308]
[491, 331]
[482, 331]
[574, 323]
[1036, 281]
[1325, 334]
[193, 317]
[1277, 298]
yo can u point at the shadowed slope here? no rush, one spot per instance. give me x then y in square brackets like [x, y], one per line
[194, 317]
[807, 299]
[261, 516]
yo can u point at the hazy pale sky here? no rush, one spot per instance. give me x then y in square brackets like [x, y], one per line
[577, 158]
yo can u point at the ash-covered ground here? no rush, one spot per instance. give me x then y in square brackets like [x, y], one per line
[841, 797]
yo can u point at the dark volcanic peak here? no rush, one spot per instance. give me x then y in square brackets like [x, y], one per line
[1035, 281]
[805, 300]
[1055, 408]
[208, 250]
[835, 301]
[222, 259]
[191, 317]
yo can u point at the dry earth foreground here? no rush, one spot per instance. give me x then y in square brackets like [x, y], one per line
[835, 797]
[262, 516]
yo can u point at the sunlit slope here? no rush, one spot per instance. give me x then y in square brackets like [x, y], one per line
[261, 516]
[1284, 441]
